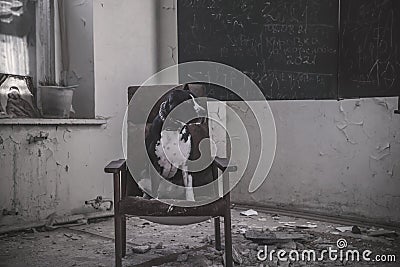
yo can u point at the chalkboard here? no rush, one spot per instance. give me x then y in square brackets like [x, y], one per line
[287, 47]
[369, 48]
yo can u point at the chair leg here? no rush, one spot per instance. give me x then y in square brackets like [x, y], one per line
[228, 234]
[117, 222]
[217, 226]
[123, 233]
[124, 176]
[118, 240]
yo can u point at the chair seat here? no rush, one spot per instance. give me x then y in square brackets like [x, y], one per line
[181, 220]
[139, 206]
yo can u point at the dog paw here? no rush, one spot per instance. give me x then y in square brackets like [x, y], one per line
[190, 194]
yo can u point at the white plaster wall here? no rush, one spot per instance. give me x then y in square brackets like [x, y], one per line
[53, 176]
[335, 158]
[79, 24]
[59, 174]
[167, 34]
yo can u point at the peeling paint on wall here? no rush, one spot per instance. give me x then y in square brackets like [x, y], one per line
[338, 158]
[45, 176]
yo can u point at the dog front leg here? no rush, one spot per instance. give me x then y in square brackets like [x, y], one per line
[188, 182]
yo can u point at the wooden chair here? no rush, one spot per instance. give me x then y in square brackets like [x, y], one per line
[128, 200]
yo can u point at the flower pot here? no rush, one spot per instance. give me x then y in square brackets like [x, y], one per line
[56, 101]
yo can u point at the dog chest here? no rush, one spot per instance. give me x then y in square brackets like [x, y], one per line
[173, 150]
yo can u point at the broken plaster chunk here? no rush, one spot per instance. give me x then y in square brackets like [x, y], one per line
[356, 230]
[289, 245]
[207, 239]
[307, 226]
[384, 233]
[159, 245]
[72, 236]
[141, 249]
[242, 231]
[344, 229]
[276, 217]
[236, 257]
[270, 238]
[250, 212]
[182, 258]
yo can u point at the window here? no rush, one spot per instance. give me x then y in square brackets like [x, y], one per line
[52, 42]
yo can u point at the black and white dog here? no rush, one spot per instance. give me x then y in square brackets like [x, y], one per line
[170, 148]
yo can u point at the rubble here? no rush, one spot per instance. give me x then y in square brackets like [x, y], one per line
[343, 229]
[383, 233]
[276, 217]
[270, 238]
[250, 212]
[307, 226]
[207, 239]
[182, 258]
[356, 230]
[237, 258]
[141, 249]
[250, 235]
[289, 245]
[73, 236]
[159, 245]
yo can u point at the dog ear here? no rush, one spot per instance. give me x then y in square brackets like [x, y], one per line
[186, 87]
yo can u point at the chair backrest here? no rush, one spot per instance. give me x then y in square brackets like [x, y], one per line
[198, 131]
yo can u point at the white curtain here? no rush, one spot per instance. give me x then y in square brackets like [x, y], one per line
[14, 55]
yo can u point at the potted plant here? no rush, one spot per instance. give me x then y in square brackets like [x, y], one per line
[55, 98]
[55, 93]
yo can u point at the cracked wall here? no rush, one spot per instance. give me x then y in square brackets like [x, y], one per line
[55, 173]
[336, 158]
[62, 172]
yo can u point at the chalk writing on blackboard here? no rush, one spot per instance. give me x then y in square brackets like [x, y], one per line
[288, 48]
[370, 48]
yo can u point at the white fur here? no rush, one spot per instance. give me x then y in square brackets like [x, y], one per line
[188, 186]
[197, 107]
[173, 152]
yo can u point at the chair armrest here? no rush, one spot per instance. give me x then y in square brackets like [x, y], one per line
[223, 164]
[115, 166]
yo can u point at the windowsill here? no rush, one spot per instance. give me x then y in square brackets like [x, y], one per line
[36, 121]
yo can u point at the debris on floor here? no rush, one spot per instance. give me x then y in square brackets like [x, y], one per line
[141, 249]
[271, 238]
[150, 244]
[384, 233]
[344, 229]
[249, 213]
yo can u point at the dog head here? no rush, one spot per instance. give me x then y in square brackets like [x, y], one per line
[185, 100]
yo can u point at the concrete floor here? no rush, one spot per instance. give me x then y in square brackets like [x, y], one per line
[92, 244]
